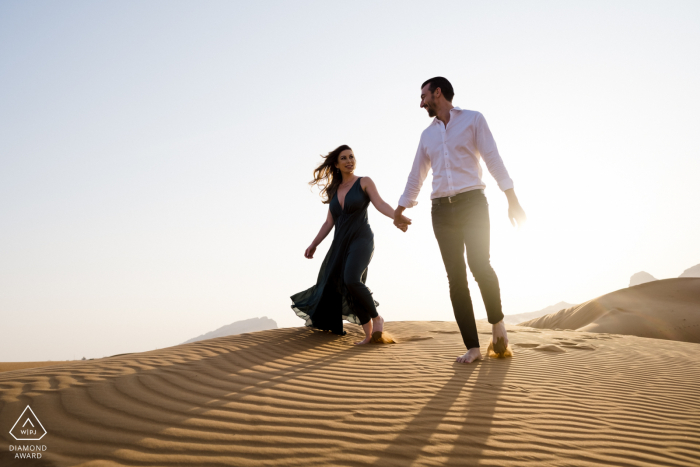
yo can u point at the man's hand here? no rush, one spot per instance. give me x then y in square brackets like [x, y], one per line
[400, 221]
[516, 214]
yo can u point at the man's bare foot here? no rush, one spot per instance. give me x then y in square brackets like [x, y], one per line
[500, 337]
[472, 355]
[367, 340]
[378, 324]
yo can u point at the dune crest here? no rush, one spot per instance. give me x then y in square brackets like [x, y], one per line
[238, 327]
[662, 309]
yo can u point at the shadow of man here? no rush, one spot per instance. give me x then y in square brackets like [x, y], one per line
[454, 427]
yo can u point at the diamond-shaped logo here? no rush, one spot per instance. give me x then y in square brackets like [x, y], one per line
[28, 427]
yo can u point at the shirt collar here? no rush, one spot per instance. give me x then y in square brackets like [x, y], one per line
[455, 108]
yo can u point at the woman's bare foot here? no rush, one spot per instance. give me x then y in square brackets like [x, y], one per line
[378, 324]
[472, 354]
[367, 327]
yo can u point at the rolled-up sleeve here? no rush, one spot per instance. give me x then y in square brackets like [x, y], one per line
[421, 166]
[486, 146]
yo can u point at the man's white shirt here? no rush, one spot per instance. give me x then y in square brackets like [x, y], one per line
[453, 153]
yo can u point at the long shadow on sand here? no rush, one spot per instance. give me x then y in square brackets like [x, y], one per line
[453, 428]
[102, 420]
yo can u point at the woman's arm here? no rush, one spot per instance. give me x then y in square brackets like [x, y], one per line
[382, 206]
[323, 233]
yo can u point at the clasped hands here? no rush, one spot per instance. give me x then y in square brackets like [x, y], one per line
[400, 221]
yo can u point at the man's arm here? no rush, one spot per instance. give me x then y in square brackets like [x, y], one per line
[489, 152]
[486, 146]
[421, 166]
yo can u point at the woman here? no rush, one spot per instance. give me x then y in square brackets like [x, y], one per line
[340, 291]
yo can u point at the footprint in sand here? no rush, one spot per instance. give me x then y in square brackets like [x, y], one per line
[585, 347]
[526, 345]
[603, 336]
[549, 348]
[556, 348]
[416, 338]
[575, 345]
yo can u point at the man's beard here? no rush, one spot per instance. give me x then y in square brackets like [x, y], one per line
[431, 112]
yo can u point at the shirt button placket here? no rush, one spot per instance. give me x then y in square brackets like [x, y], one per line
[447, 163]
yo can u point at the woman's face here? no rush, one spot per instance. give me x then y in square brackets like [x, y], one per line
[346, 161]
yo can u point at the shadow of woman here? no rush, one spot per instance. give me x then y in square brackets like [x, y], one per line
[454, 427]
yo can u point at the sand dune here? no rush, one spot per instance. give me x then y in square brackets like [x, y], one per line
[238, 327]
[664, 309]
[520, 317]
[298, 397]
[12, 366]
[691, 272]
[641, 277]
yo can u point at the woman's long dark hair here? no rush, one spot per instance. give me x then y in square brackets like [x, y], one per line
[327, 176]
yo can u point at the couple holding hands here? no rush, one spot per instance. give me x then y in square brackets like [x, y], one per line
[452, 146]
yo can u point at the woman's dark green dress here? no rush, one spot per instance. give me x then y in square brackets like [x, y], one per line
[340, 292]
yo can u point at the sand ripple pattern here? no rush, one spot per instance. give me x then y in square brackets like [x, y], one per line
[298, 397]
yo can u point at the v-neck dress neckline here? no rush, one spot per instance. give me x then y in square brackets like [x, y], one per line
[342, 206]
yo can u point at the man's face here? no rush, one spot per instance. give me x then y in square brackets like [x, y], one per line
[427, 100]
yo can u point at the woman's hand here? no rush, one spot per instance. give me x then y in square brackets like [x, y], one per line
[309, 253]
[323, 233]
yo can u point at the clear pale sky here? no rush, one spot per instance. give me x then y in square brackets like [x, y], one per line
[154, 156]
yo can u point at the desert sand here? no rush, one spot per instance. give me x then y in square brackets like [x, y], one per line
[296, 396]
[11, 366]
[663, 309]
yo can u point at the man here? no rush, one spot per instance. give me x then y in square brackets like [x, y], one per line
[452, 146]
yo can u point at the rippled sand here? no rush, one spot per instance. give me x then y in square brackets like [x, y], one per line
[298, 397]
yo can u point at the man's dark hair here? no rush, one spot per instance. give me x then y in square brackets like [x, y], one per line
[443, 84]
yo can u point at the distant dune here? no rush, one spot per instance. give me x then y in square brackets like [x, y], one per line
[692, 272]
[239, 327]
[641, 277]
[296, 397]
[520, 317]
[663, 309]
